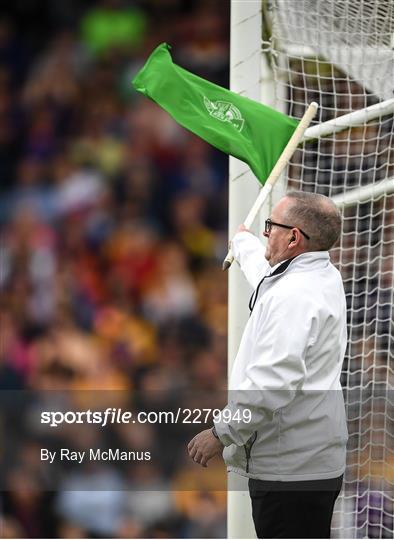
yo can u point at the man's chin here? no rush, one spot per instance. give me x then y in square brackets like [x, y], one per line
[269, 259]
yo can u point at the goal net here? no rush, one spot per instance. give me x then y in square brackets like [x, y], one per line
[341, 55]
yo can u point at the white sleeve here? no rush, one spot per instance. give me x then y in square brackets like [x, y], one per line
[276, 369]
[249, 253]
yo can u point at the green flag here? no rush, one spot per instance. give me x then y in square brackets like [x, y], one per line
[238, 126]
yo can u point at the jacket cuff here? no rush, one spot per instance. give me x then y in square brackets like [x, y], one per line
[227, 434]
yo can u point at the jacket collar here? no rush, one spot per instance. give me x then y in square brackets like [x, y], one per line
[310, 260]
[304, 261]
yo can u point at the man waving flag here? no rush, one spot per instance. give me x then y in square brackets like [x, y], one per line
[236, 125]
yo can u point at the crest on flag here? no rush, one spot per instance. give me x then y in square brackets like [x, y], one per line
[225, 112]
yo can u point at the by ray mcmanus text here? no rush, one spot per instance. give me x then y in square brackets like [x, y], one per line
[93, 454]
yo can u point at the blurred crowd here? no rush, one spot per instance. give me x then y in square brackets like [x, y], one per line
[113, 224]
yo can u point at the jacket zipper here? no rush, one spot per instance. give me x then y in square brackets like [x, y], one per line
[248, 448]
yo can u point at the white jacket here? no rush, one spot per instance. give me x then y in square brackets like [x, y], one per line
[287, 371]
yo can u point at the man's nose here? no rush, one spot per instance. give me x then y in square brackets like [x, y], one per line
[266, 234]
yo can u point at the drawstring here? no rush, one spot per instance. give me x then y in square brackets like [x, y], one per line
[253, 298]
[281, 268]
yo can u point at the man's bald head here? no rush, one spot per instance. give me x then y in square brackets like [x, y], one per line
[317, 215]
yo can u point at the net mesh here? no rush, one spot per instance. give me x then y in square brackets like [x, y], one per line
[340, 54]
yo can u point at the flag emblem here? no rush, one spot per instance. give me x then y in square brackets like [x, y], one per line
[225, 112]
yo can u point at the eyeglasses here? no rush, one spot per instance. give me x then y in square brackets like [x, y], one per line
[269, 223]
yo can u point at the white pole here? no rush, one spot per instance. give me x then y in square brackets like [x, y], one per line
[364, 193]
[245, 41]
[355, 118]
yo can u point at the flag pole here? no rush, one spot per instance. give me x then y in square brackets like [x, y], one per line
[280, 165]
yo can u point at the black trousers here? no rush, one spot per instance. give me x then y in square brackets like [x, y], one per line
[293, 509]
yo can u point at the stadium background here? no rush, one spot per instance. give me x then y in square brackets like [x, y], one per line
[114, 220]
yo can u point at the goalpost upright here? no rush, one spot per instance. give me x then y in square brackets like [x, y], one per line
[245, 76]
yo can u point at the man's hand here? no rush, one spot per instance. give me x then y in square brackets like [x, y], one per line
[204, 446]
[242, 228]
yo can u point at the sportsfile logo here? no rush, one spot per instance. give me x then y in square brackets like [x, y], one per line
[225, 112]
[113, 415]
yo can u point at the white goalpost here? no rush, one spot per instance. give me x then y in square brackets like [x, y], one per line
[341, 55]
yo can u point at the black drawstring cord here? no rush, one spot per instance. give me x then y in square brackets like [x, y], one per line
[281, 268]
[253, 298]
